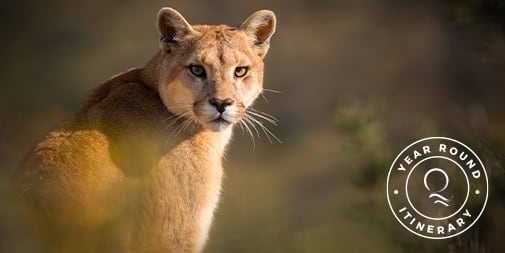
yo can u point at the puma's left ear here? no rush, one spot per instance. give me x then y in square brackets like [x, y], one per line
[260, 26]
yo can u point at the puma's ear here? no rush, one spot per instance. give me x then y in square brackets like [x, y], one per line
[172, 27]
[260, 26]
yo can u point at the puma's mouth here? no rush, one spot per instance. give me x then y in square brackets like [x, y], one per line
[218, 124]
[220, 120]
[216, 120]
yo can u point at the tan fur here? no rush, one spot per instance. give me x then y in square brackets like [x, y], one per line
[139, 167]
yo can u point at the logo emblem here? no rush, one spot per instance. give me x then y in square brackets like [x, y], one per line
[437, 188]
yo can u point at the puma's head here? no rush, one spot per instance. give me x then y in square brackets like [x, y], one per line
[211, 74]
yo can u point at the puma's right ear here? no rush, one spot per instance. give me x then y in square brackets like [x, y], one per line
[260, 27]
[172, 27]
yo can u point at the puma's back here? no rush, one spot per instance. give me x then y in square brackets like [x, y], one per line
[138, 169]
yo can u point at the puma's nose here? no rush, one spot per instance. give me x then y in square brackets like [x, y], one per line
[220, 104]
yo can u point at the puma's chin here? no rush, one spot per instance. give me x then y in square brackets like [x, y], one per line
[217, 125]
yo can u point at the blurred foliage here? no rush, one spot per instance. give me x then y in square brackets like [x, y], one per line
[487, 12]
[364, 137]
[359, 80]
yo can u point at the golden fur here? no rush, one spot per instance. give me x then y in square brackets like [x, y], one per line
[139, 167]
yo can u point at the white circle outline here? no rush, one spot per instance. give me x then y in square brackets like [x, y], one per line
[467, 188]
[446, 177]
[483, 170]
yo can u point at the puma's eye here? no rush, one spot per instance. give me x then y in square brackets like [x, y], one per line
[241, 71]
[197, 70]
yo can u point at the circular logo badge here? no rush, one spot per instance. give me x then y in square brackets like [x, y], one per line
[437, 187]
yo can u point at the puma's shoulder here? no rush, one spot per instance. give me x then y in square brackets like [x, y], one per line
[123, 97]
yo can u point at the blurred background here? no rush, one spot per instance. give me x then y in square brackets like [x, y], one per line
[358, 80]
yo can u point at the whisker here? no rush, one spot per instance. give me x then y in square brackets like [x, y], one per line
[249, 131]
[263, 113]
[249, 120]
[270, 119]
[185, 126]
[171, 118]
[273, 91]
[262, 128]
[264, 98]
[181, 127]
[241, 127]
[265, 130]
[271, 133]
[175, 118]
